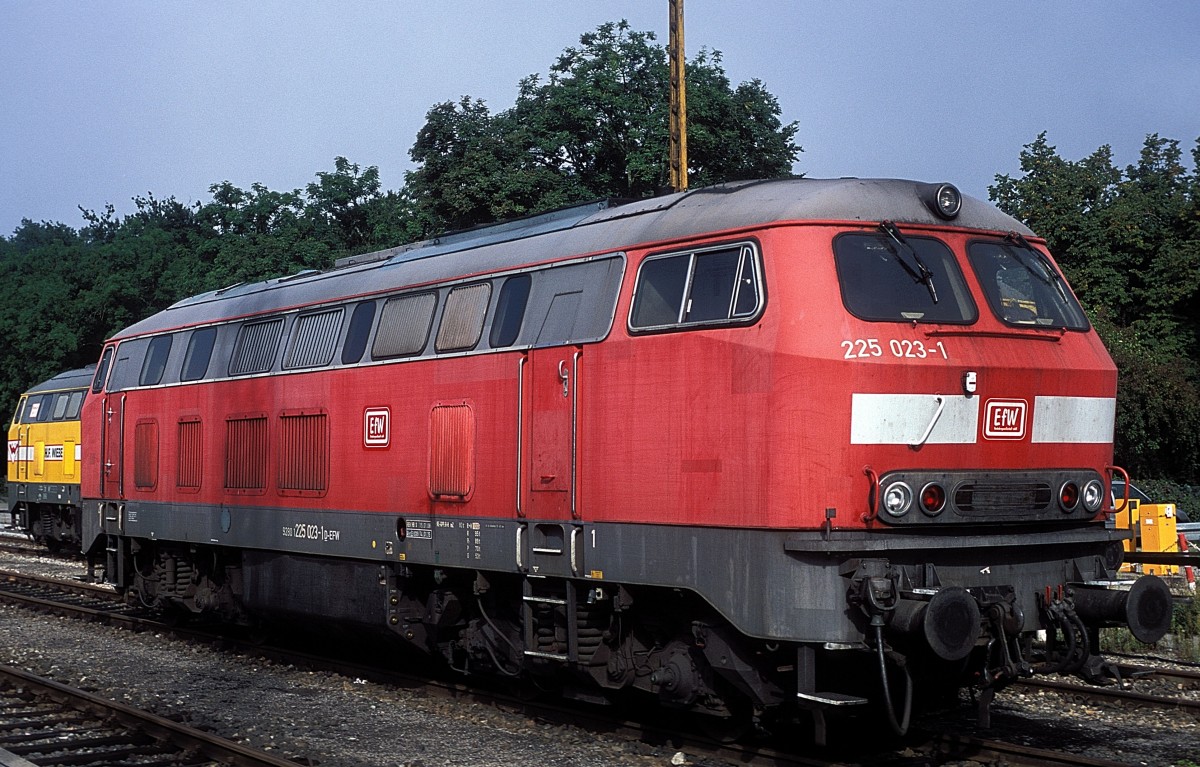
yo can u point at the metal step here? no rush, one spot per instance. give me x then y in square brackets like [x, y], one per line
[831, 698]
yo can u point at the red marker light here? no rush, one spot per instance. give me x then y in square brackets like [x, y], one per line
[933, 499]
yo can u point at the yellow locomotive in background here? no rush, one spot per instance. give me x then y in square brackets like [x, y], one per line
[44, 453]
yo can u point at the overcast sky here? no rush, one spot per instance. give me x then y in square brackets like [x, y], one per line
[102, 101]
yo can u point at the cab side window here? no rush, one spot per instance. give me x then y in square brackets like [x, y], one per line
[711, 286]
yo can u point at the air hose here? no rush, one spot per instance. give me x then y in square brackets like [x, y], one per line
[900, 727]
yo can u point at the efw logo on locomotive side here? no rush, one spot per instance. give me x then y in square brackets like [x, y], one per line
[377, 427]
[1005, 419]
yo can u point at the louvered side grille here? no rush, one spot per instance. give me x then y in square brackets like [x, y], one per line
[256, 346]
[246, 453]
[304, 452]
[145, 454]
[191, 453]
[314, 339]
[451, 450]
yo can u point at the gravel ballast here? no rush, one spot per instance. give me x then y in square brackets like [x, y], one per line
[327, 718]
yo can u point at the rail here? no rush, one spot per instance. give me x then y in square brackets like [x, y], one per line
[53, 719]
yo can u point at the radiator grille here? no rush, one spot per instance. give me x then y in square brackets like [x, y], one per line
[404, 325]
[452, 450]
[303, 452]
[462, 321]
[256, 346]
[145, 454]
[314, 339]
[246, 453]
[997, 499]
[191, 452]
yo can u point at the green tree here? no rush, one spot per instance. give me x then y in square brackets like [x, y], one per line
[476, 167]
[595, 127]
[1129, 242]
[338, 202]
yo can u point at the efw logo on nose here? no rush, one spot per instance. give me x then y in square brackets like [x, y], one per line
[1005, 419]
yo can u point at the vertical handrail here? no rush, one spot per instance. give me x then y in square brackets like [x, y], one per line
[121, 454]
[105, 416]
[575, 433]
[520, 427]
[1112, 470]
[521, 546]
[941, 405]
[575, 533]
[872, 495]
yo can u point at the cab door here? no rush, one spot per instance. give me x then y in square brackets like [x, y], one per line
[552, 407]
[112, 448]
[549, 541]
[18, 444]
[111, 429]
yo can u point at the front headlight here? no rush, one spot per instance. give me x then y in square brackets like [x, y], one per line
[1093, 495]
[897, 499]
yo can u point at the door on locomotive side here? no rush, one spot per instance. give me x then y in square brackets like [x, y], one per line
[550, 385]
[552, 377]
[551, 401]
[570, 306]
[111, 429]
[18, 444]
[550, 421]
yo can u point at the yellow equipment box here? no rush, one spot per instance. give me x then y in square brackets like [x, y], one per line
[1127, 519]
[1157, 528]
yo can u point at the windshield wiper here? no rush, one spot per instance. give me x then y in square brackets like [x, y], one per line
[921, 273]
[1047, 273]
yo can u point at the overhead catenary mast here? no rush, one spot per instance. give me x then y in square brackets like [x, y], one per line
[678, 126]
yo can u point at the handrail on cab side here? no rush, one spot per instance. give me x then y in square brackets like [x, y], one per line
[872, 496]
[1125, 476]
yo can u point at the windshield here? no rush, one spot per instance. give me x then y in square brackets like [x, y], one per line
[905, 279]
[1022, 286]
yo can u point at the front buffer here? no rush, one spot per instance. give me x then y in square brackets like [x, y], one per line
[972, 612]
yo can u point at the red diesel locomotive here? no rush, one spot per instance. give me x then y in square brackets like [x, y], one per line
[767, 445]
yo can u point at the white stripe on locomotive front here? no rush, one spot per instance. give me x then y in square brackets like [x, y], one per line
[1077, 420]
[901, 419]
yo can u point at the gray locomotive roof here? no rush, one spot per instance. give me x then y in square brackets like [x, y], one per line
[71, 379]
[591, 230]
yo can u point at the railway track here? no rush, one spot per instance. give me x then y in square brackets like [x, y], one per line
[70, 598]
[1178, 679]
[44, 723]
[99, 603]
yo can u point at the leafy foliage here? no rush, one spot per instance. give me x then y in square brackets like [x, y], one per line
[596, 126]
[1129, 242]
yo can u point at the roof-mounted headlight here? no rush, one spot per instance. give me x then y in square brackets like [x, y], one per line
[944, 200]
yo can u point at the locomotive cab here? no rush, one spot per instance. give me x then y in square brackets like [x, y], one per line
[980, 419]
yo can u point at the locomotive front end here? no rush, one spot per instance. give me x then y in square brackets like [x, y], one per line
[980, 432]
